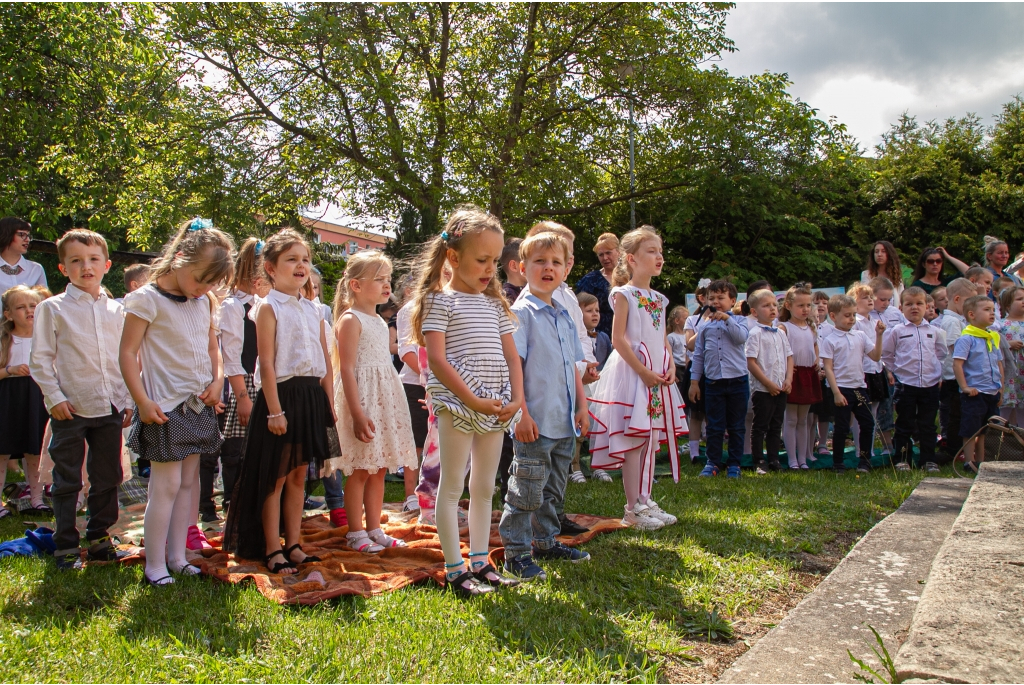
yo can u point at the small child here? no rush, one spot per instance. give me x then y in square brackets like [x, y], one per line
[135, 276]
[770, 362]
[74, 361]
[719, 356]
[554, 413]
[978, 366]
[695, 408]
[374, 424]
[798, 324]
[1011, 334]
[913, 353]
[982, 279]
[824, 411]
[843, 354]
[677, 341]
[592, 319]
[953, 324]
[514, 279]
[941, 298]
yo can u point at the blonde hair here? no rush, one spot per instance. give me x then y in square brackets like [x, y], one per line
[838, 303]
[9, 300]
[248, 263]
[189, 247]
[758, 296]
[630, 245]
[880, 284]
[960, 287]
[366, 264]
[84, 236]
[673, 315]
[858, 290]
[548, 240]
[606, 240]
[464, 223]
[551, 227]
[136, 273]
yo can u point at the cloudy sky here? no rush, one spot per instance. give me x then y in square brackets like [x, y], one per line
[868, 62]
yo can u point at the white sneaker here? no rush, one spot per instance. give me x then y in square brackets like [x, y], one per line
[639, 519]
[684, 449]
[577, 477]
[427, 517]
[654, 511]
[903, 466]
[412, 503]
[601, 475]
[932, 467]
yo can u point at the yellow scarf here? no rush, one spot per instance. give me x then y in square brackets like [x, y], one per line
[991, 338]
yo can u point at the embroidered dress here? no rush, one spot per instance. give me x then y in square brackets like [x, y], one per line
[625, 411]
[1013, 385]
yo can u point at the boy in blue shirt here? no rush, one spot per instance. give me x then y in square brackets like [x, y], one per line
[978, 367]
[554, 414]
[719, 355]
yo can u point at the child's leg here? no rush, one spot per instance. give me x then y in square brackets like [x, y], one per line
[231, 453]
[204, 490]
[865, 419]
[181, 513]
[695, 420]
[789, 435]
[545, 519]
[4, 460]
[927, 408]
[373, 498]
[164, 484]
[455, 447]
[412, 476]
[905, 404]
[800, 434]
[292, 505]
[841, 430]
[334, 491]
[486, 453]
[737, 397]
[773, 433]
[532, 469]
[715, 406]
[105, 474]
[759, 426]
[67, 449]
[430, 470]
[747, 423]
[505, 463]
[355, 491]
[808, 451]
[631, 469]
[271, 515]
[35, 487]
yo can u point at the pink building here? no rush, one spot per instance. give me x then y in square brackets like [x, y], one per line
[347, 240]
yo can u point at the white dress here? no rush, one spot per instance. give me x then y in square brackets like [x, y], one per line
[383, 400]
[625, 411]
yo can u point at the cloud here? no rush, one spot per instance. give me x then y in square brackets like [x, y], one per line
[866, 63]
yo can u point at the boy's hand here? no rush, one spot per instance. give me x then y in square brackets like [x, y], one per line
[971, 392]
[695, 391]
[719, 316]
[591, 374]
[773, 389]
[150, 413]
[62, 411]
[509, 410]
[127, 421]
[243, 409]
[879, 327]
[211, 397]
[840, 400]
[583, 421]
[891, 378]
[788, 386]
[526, 429]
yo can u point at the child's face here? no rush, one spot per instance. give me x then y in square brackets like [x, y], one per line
[291, 270]
[545, 269]
[941, 299]
[721, 301]
[1017, 306]
[914, 307]
[315, 280]
[592, 315]
[846, 318]
[21, 311]
[648, 259]
[373, 289]
[800, 307]
[983, 316]
[475, 265]
[929, 313]
[821, 310]
[984, 283]
[84, 265]
[767, 311]
[864, 303]
[883, 298]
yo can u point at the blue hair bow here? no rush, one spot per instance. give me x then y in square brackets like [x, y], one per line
[259, 247]
[199, 224]
[444, 236]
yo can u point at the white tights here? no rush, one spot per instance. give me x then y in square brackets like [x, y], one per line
[455, 448]
[31, 464]
[167, 515]
[635, 482]
[795, 435]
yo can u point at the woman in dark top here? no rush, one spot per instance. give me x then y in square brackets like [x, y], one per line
[928, 272]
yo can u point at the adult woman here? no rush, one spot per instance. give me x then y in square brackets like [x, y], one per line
[15, 236]
[997, 256]
[598, 282]
[883, 261]
[928, 272]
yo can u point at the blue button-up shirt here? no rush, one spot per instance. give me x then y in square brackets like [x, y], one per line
[546, 341]
[981, 365]
[720, 351]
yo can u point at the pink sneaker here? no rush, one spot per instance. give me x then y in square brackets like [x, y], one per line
[339, 518]
[196, 539]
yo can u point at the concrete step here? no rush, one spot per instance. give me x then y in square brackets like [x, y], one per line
[878, 583]
[969, 625]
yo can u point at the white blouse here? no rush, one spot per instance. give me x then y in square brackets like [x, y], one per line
[20, 349]
[175, 351]
[297, 350]
[231, 319]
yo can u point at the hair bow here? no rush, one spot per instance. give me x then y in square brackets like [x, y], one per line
[704, 282]
[199, 224]
[259, 247]
[456, 231]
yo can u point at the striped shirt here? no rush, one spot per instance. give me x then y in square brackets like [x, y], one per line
[472, 324]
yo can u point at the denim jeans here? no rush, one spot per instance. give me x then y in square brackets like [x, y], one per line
[535, 492]
[915, 415]
[725, 402]
[857, 404]
[334, 490]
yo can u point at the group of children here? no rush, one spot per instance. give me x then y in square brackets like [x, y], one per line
[497, 379]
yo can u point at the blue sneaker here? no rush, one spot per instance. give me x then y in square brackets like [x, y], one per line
[733, 472]
[524, 568]
[564, 552]
[708, 471]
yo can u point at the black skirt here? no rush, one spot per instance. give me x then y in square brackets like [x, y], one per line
[269, 457]
[23, 416]
[191, 428]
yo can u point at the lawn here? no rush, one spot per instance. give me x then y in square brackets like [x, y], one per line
[632, 614]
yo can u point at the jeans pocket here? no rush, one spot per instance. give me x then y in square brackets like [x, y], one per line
[526, 485]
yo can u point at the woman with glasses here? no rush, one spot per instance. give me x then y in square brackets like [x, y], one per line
[15, 236]
[928, 272]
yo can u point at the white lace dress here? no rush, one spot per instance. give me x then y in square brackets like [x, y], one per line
[383, 399]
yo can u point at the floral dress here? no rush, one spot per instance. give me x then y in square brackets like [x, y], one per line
[1013, 363]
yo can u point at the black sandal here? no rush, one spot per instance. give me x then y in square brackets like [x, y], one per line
[159, 582]
[489, 575]
[309, 558]
[466, 585]
[277, 568]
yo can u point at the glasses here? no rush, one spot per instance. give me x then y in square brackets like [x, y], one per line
[933, 261]
[24, 235]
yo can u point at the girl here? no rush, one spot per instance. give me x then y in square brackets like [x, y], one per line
[374, 425]
[798, 322]
[884, 261]
[415, 391]
[1011, 339]
[695, 409]
[172, 320]
[825, 410]
[636, 405]
[475, 382]
[288, 425]
[23, 414]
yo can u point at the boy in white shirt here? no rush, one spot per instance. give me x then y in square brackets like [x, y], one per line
[75, 362]
[770, 362]
[953, 325]
[843, 355]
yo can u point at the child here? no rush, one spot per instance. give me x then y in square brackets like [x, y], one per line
[941, 297]
[798, 325]
[514, 280]
[930, 315]
[22, 409]
[1011, 335]
[982, 279]
[843, 354]
[770, 362]
[978, 366]
[677, 341]
[373, 417]
[554, 413]
[824, 411]
[592, 319]
[913, 353]
[719, 355]
[135, 276]
[74, 361]
[953, 324]
[288, 426]
[695, 409]
[475, 384]
[636, 405]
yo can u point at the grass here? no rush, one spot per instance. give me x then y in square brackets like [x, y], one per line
[636, 606]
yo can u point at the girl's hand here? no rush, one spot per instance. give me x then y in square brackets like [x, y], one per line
[19, 370]
[211, 396]
[363, 427]
[670, 377]
[149, 412]
[277, 425]
[1016, 344]
[243, 409]
[485, 406]
[127, 421]
[840, 400]
[591, 374]
[650, 378]
[891, 378]
[694, 391]
[509, 410]
[821, 373]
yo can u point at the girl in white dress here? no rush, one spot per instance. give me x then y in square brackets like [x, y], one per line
[636, 405]
[373, 418]
[800, 324]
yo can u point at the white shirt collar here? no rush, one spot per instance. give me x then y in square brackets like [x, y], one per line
[282, 298]
[243, 297]
[77, 293]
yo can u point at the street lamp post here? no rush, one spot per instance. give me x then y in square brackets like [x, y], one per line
[624, 71]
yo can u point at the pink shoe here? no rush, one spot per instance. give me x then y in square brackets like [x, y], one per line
[196, 539]
[339, 518]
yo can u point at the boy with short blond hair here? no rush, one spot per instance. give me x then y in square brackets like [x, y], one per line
[770, 362]
[953, 324]
[978, 366]
[982, 279]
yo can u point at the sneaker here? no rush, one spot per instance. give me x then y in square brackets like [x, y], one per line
[69, 562]
[774, 465]
[339, 517]
[524, 568]
[761, 471]
[577, 477]
[733, 472]
[558, 551]
[902, 466]
[602, 475]
[932, 467]
[196, 539]
[569, 527]
[313, 505]
[641, 520]
[103, 550]
[864, 466]
[654, 511]
[426, 517]
[144, 472]
[709, 470]
[685, 449]
[412, 503]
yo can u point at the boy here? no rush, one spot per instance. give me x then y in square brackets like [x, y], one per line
[981, 278]
[843, 355]
[135, 276]
[953, 324]
[913, 353]
[882, 294]
[770, 362]
[978, 365]
[592, 319]
[930, 315]
[514, 280]
[75, 362]
[554, 413]
[941, 297]
[719, 356]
